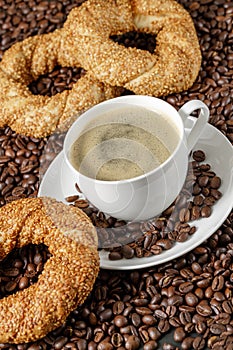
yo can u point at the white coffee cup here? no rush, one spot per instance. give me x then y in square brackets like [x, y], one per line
[148, 195]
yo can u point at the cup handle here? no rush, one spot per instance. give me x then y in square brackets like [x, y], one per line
[200, 122]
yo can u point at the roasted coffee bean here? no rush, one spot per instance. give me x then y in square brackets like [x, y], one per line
[171, 311]
[175, 300]
[18, 263]
[31, 269]
[200, 327]
[144, 335]
[203, 181]
[215, 193]
[223, 318]
[23, 282]
[164, 243]
[179, 334]
[11, 272]
[143, 311]
[205, 191]
[81, 203]
[184, 215]
[116, 339]
[215, 182]
[120, 321]
[92, 345]
[160, 314]
[203, 308]
[182, 236]
[98, 335]
[185, 317]
[105, 315]
[34, 347]
[149, 320]
[217, 328]
[167, 346]
[198, 200]
[150, 345]
[132, 343]
[187, 343]
[73, 198]
[175, 322]
[196, 189]
[227, 306]
[205, 211]
[60, 342]
[81, 343]
[154, 333]
[136, 319]
[163, 326]
[115, 256]
[195, 212]
[105, 345]
[127, 252]
[199, 156]
[209, 201]
[189, 327]
[218, 283]
[203, 282]
[118, 307]
[191, 299]
[10, 286]
[196, 268]
[140, 302]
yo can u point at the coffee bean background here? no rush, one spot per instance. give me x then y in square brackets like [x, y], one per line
[191, 296]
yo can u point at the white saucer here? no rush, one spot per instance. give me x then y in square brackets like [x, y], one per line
[59, 183]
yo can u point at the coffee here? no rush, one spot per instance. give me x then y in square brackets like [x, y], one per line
[124, 143]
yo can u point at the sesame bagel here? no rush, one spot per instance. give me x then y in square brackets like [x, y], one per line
[172, 67]
[38, 115]
[68, 275]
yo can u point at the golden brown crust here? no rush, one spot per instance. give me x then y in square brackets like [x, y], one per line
[88, 29]
[39, 115]
[177, 47]
[68, 276]
[172, 67]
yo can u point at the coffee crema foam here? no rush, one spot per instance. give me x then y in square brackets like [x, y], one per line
[123, 143]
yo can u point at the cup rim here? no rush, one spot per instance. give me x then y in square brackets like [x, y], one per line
[121, 99]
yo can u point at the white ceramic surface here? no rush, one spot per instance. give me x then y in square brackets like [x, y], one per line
[145, 196]
[59, 182]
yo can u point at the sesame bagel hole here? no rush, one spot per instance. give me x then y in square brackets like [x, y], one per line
[142, 41]
[56, 81]
[21, 268]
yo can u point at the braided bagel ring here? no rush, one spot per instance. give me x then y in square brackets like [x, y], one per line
[175, 63]
[68, 276]
[37, 115]
[88, 28]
